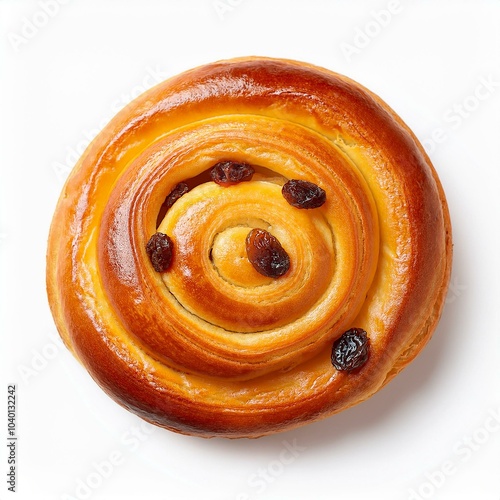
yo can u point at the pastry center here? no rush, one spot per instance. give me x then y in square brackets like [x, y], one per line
[229, 257]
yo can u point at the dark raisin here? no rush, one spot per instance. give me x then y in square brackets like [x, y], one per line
[227, 173]
[179, 190]
[160, 250]
[351, 350]
[266, 254]
[303, 194]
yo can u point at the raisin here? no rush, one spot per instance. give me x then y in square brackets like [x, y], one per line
[160, 250]
[266, 254]
[351, 350]
[179, 190]
[227, 173]
[303, 194]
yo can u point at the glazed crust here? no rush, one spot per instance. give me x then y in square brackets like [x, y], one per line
[211, 347]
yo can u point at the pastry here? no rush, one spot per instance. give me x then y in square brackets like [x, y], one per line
[247, 247]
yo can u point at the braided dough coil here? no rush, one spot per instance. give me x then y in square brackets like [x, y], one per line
[211, 347]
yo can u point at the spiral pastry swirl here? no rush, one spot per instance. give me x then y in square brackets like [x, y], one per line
[210, 346]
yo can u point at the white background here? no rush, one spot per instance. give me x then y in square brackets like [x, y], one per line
[434, 432]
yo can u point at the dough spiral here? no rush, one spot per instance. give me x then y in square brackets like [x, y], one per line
[211, 347]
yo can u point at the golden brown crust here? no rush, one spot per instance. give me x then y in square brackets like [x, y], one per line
[211, 348]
